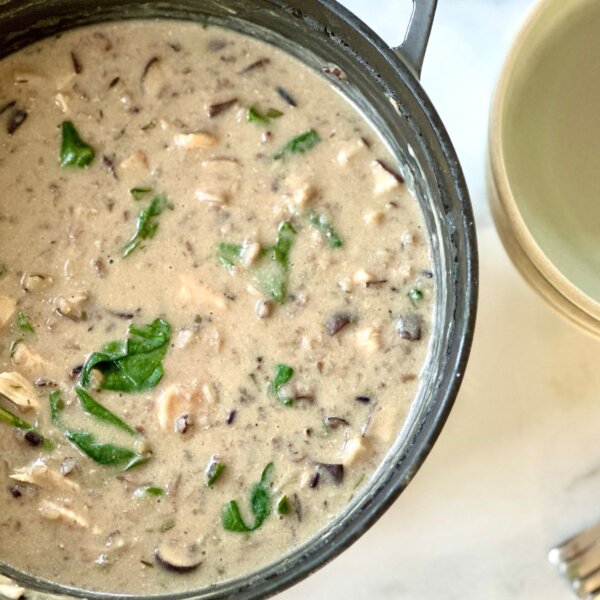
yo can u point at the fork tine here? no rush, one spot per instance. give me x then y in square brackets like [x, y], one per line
[575, 545]
[587, 587]
[584, 564]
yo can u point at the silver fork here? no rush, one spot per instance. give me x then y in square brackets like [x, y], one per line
[578, 561]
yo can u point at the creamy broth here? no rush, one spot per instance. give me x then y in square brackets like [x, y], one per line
[280, 280]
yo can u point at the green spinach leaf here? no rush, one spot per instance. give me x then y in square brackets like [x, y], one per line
[229, 254]
[95, 409]
[104, 454]
[11, 419]
[138, 193]
[57, 404]
[24, 323]
[320, 222]
[255, 116]
[74, 152]
[299, 145]
[260, 504]
[134, 364]
[283, 374]
[146, 225]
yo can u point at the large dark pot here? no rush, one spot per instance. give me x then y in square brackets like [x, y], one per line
[383, 82]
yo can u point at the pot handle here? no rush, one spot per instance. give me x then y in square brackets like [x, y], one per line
[412, 50]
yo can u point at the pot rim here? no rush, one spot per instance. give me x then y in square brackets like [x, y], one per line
[298, 565]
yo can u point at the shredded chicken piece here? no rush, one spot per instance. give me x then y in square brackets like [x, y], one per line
[18, 390]
[28, 361]
[7, 309]
[193, 293]
[180, 399]
[385, 181]
[63, 101]
[250, 253]
[57, 512]
[41, 475]
[350, 150]
[354, 450]
[369, 338]
[9, 589]
[191, 141]
[221, 180]
[362, 277]
[135, 163]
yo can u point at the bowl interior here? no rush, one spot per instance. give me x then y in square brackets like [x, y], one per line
[550, 137]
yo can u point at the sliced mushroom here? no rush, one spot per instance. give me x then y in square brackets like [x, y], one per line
[34, 282]
[409, 327]
[72, 306]
[176, 557]
[336, 322]
[18, 390]
[334, 471]
[7, 309]
[335, 422]
[153, 77]
[58, 512]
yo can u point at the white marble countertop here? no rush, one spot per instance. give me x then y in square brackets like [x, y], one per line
[517, 467]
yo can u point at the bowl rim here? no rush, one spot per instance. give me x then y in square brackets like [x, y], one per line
[498, 176]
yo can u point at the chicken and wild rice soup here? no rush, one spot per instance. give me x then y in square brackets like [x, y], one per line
[216, 299]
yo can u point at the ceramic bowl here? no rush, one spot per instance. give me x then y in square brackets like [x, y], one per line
[544, 154]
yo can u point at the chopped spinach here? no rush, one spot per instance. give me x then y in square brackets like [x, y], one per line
[271, 270]
[167, 525]
[24, 323]
[146, 225]
[11, 419]
[74, 152]
[57, 404]
[229, 254]
[283, 374]
[104, 454]
[283, 505]
[416, 295]
[138, 192]
[260, 504]
[3, 270]
[95, 409]
[300, 144]
[321, 223]
[214, 471]
[149, 491]
[255, 116]
[134, 364]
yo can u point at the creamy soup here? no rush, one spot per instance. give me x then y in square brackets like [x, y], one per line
[215, 304]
